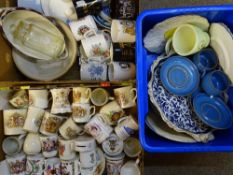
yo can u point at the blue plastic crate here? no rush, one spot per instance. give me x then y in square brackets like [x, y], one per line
[150, 141]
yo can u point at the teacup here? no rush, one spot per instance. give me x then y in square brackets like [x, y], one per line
[13, 145]
[49, 145]
[17, 164]
[66, 149]
[132, 147]
[121, 71]
[112, 112]
[82, 113]
[94, 70]
[19, 99]
[189, 39]
[81, 95]
[32, 145]
[61, 102]
[14, 121]
[88, 159]
[82, 26]
[70, 167]
[123, 31]
[70, 130]
[215, 83]
[35, 164]
[126, 96]
[100, 97]
[126, 127]
[98, 128]
[114, 164]
[39, 98]
[34, 119]
[131, 167]
[84, 144]
[50, 124]
[52, 166]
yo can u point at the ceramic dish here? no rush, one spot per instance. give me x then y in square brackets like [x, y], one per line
[179, 75]
[48, 71]
[212, 111]
[155, 39]
[221, 41]
[158, 126]
[176, 111]
[100, 162]
[21, 24]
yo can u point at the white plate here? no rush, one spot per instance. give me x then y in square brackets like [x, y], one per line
[222, 43]
[52, 70]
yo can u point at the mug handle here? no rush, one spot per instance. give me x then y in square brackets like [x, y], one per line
[134, 91]
[122, 119]
[93, 112]
[137, 162]
[88, 32]
[22, 136]
[88, 93]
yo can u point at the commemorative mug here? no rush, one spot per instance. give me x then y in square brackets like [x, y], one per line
[126, 127]
[98, 128]
[132, 167]
[34, 119]
[61, 102]
[69, 129]
[123, 31]
[88, 158]
[35, 164]
[19, 99]
[14, 121]
[70, 167]
[49, 145]
[83, 25]
[114, 163]
[100, 97]
[52, 166]
[121, 71]
[39, 98]
[126, 96]
[112, 112]
[84, 143]
[13, 145]
[82, 113]
[32, 145]
[81, 94]
[66, 149]
[50, 124]
[122, 52]
[132, 147]
[17, 164]
[189, 39]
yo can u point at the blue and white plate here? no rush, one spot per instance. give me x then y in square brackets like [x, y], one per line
[212, 111]
[176, 111]
[179, 75]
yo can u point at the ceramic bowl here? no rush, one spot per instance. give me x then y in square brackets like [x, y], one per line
[176, 111]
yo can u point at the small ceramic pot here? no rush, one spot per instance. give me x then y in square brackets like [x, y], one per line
[84, 144]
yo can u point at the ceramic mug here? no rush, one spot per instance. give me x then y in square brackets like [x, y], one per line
[126, 127]
[98, 128]
[14, 121]
[94, 70]
[88, 159]
[70, 130]
[126, 96]
[97, 45]
[50, 124]
[81, 95]
[17, 164]
[49, 145]
[123, 31]
[83, 25]
[132, 147]
[188, 39]
[114, 164]
[39, 98]
[121, 71]
[34, 119]
[82, 113]
[66, 149]
[84, 144]
[32, 145]
[100, 97]
[52, 166]
[35, 165]
[131, 167]
[122, 52]
[61, 102]
[112, 112]
[13, 145]
[215, 83]
[19, 99]
[70, 167]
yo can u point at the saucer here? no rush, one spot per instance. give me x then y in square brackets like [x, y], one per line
[212, 111]
[179, 75]
[48, 71]
[221, 42]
